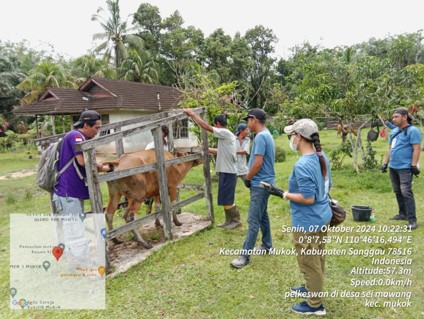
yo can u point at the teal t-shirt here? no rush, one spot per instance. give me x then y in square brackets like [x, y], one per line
[401, 150]
[306, 179]
[263, 144]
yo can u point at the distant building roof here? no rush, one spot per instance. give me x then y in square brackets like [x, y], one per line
[104, 95]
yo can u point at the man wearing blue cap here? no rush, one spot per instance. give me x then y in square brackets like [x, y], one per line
[243, 149]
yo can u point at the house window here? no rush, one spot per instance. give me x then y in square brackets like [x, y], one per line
[105, 120]
[180, 129]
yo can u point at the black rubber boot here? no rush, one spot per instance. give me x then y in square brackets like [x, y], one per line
[235, 218]
[227, 218]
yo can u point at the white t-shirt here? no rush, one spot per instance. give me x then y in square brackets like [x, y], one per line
[242, 167]
[151, 145]
[226, 160]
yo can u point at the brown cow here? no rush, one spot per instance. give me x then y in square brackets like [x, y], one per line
[141, 186]
[413, 110]
[344, 130]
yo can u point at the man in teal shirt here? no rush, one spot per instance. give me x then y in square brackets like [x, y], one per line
[402, 158]
[261, 169]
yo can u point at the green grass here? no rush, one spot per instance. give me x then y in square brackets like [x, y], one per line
[190, 279]
[13, 162]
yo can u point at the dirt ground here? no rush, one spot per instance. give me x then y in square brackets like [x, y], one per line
[20, 174]
[130, 253]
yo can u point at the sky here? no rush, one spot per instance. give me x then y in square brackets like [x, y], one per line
[66, 27]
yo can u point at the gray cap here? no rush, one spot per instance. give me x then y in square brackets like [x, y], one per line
[304, 127]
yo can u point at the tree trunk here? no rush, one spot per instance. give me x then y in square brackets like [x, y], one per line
[356, 146]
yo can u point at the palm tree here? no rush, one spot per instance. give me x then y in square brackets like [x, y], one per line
[45, 74]
[140, 67]
[116, 36]
[87, 65]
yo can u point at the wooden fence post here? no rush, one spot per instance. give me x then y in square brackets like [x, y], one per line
[163, 182]
[207, 171]
[119, 144]
[95, 200]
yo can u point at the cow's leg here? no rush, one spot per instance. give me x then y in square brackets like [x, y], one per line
[174, 215]
[128, 217]
[111, 207]
[133, 207]
[157, 208]
[149, 204]
[173, 198]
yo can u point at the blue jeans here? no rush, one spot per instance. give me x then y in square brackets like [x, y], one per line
[402, 186]
[258, 218]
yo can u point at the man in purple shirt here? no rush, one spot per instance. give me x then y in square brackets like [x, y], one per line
[71, 189]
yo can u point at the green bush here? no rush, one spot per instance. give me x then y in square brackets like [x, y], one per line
[338, 155]
[280, 154]
[16, 142]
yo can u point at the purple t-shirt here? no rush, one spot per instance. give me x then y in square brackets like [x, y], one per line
[69, 183]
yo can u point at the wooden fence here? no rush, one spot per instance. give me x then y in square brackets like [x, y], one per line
[115, 132]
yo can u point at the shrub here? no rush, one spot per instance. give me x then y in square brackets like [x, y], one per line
[370, 162]
[338, 155]
[280, 154]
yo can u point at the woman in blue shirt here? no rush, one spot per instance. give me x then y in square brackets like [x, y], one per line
[310, 211]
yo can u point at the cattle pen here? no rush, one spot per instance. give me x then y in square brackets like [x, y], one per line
[115, 132]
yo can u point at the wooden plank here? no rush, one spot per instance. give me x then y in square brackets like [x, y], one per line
[174, 115]
[194, 149]
[143, 118]
[141, 128]
[207, 173]
[95, 199]
[141, 169]
[192, 186]
[163, 182]
[93, 181]
[48, 140]
[170, 139]
[187, 201]
[132, 225]
[149, 218]
[119, 144]
[127, 172]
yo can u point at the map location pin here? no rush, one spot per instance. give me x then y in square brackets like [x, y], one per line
[46, 265]
[22, 303]
[57, 252]
[82, 216]
[103, 232]
[101, 270]
[13, 292]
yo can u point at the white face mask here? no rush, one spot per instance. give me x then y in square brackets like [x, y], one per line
[292, 145]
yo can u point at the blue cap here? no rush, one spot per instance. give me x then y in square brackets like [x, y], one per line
[240, 127]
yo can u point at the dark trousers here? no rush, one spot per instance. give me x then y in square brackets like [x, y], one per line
[402, 186]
